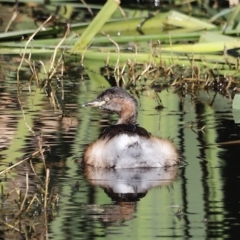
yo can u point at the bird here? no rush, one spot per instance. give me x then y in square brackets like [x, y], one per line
[126, 144]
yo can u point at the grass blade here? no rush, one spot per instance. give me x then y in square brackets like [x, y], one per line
[95, 26]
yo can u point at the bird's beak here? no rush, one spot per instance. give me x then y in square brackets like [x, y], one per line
[94, 103]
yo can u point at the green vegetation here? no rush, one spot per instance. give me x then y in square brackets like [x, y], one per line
[141, 49]
[119, 36]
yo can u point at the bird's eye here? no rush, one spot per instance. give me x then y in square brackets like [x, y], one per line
[106, 99]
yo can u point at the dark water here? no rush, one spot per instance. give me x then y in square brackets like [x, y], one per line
[198, 200]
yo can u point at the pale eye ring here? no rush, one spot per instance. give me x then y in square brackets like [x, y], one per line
[106, 99]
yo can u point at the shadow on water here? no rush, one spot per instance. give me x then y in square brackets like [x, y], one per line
[199, 200]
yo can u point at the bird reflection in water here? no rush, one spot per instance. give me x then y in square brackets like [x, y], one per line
[125, 187]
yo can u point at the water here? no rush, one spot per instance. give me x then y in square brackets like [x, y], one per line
[198, 200]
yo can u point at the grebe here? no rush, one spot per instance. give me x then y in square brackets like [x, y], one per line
[126, 145]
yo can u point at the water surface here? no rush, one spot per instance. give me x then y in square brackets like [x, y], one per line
[198, 200]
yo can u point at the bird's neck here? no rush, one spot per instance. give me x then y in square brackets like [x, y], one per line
[128, 113]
